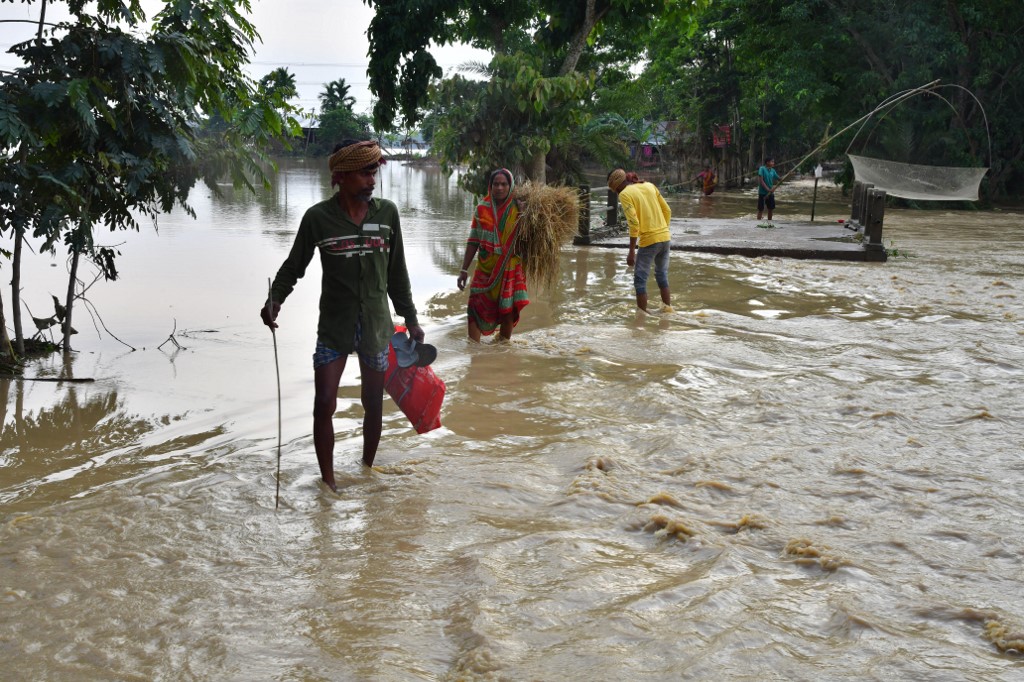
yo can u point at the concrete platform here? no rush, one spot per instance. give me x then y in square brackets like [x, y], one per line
[787, 239]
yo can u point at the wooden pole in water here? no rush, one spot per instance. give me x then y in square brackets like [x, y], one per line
[612, 214]
[814, 199]
[277, 370]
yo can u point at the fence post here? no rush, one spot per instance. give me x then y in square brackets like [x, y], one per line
[583, 229]
[612, 215]
[854, 203]
[874, 218]
[818, 172]
[865, 202]
[860, 198]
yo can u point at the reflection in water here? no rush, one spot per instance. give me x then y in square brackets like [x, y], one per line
[83, 439]
[297, 185]
[61, 441]
[809, 470]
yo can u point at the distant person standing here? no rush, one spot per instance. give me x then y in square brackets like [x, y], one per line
[767, 181]
[650, 240]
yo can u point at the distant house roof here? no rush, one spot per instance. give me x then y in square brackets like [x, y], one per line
[662, 132]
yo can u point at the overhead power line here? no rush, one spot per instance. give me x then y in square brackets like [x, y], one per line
[323, 64]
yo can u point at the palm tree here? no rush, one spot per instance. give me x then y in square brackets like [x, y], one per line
[335, 96]
[280, 82]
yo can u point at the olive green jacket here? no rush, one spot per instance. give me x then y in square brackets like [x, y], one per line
[362, 265]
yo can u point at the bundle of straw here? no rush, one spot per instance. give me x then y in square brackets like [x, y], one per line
[548, 220]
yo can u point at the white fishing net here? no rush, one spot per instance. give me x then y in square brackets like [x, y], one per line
[914, 181]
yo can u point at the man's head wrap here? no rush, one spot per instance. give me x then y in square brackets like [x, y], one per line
[355, 157]
[615, 179]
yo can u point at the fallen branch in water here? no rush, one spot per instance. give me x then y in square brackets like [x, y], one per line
[171, 338]
[95, 314]
[57, 379]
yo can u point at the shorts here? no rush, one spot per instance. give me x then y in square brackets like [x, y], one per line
[324, 355]
[645, 255]
[766, 200]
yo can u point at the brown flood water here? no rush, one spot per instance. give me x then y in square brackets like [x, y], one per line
[808, 471]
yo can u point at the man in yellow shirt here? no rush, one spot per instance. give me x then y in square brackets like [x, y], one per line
[650, 240]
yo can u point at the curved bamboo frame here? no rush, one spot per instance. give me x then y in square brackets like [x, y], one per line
[887, 105]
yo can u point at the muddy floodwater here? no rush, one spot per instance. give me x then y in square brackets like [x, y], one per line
[808, 471]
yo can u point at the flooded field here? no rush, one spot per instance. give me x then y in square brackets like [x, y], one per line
[810, 470]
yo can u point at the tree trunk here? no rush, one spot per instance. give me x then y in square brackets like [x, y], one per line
[19, 335]
[536, 172]
[76, 252]
[579, 41]
[4, 338]
[19, 238]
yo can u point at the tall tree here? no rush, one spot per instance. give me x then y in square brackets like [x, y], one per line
[336, 120]
[335, 95]
[839, 60]
[513, 119]
[280, 83]
[549, 40]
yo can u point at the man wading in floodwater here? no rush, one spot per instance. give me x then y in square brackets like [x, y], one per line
[650, 240]
[363, 262]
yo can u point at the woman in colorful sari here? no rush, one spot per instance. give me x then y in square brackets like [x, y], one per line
[498, 290]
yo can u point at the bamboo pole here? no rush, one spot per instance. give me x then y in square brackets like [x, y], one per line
[888, 102]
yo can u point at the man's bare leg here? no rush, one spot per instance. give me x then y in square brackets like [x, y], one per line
[372, 395]
[325, 403]
[641, 302]
[666, 296]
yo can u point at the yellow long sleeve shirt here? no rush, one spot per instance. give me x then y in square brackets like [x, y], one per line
[647, 214]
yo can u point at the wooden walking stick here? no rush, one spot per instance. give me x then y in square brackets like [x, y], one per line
[277, 369]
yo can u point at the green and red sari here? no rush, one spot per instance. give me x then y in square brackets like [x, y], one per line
[499, 285]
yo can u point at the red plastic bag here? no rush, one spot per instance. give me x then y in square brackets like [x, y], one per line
[417, 391]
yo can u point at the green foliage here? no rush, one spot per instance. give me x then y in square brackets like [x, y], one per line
[558, 33]
[279, 84]
[104, 123]
[536, 100]
[339, 124]
[600, 139]
[335, 96]
[895, 252]
[446, 96]
[507, 120]
[402, 31]
[787, 72]
[336, 120]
